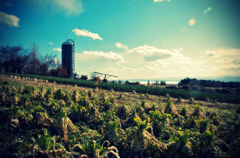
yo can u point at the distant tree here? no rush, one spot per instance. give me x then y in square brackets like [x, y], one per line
[47, 62]
[60, 71]
[34, 62]
[163, 83]
[14, 58]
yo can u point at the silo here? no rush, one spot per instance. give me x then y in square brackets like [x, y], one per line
[68, 56]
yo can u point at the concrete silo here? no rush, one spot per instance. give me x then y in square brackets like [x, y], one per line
[68, 56]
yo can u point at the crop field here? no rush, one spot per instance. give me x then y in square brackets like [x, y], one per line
[229, 98]
[56, 118]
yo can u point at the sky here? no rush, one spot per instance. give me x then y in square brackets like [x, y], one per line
[132, 39]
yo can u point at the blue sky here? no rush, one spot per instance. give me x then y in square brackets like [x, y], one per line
[131, 38]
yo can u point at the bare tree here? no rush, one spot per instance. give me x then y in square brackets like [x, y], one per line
[34, 62]
[60, 71]
[47, 62]
[14, 58]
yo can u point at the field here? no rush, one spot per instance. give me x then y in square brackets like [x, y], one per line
[229, 98]
[61, 119]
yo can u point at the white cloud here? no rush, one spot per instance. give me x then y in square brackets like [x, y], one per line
[152, 61]
[51, 43]
[228, 52]
[101, 56]
[120, 45]
[152, 53]
[110, 69]
[166, 59]
[227, 61]
[235, 60]
[128, 69]
[231, 66]
[55, 60]
[9, 4]
[9, 19]
[211, 53]
[86, 33]
[148, 67]
[178, 50]
[70, 6]
[223, 53]
[148, 50]
[161, 64]
[57, 49]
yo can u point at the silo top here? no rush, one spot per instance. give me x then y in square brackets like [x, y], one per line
[67, 43]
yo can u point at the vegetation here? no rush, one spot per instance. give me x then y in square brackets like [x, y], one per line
[209, 83]
[39, 121]
[16, 59]
[185, 94]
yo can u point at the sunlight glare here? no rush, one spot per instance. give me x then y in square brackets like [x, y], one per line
[192, 22]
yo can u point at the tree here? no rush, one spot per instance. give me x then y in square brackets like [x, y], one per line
[34, 62]
[60, 71]
[163, 83]
[14, 58]
[46, 62]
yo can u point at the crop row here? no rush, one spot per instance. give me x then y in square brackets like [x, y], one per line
[230, 98]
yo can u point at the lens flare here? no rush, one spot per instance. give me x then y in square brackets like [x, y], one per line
[192, 22]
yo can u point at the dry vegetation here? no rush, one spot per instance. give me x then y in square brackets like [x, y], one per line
[42, 119]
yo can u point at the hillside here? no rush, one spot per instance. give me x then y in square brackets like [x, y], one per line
[59, 120]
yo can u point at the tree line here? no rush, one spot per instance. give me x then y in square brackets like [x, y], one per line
[16, 59]
[209, 83]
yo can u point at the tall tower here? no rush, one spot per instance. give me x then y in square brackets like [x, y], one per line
[68, 56]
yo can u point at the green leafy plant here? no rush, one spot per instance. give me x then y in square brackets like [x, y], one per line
[215, 120]
[203, 124]
[208, 142]
[191, 99]
[59, 94]
[170, 108]
[44, 141]
[184, 111]
[159, 121]
[179, 99]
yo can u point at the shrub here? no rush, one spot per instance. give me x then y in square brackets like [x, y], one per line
[227, 91]
[196, 88]
[186, 87]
